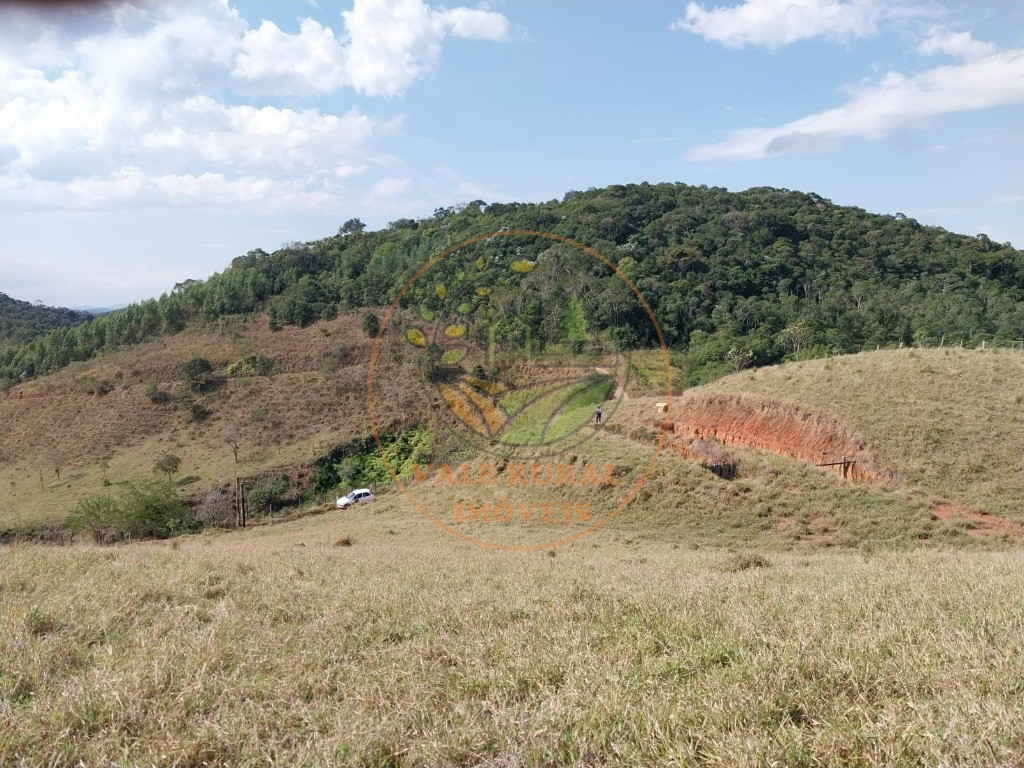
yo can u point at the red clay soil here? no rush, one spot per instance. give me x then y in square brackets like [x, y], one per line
[772, 426]
[980, 523]
[789, 431]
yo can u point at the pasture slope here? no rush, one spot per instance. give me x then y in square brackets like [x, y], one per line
[372, 639]
[782, 618]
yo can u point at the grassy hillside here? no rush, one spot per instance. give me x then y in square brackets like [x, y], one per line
[949, 421]
[784, 617]
[411, 648]
[315, 399]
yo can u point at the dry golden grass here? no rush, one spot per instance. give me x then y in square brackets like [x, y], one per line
[705, 625]
[292, 417]
[948, 420]
[316, 399]
[411, 648]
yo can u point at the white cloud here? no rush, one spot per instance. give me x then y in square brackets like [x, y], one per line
[476, 23]
[961, 45]
[137, 103]
[312, 60]
[386, 46]
[896, 103]
[1007, 199]
[69, 128]
[391, 43]
[268, 139]
[775, 23]
[390, 187]
[132, 187]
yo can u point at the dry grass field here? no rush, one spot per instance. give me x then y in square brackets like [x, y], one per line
[365, 638]
[950, 421]
[782, 618]
[315, 399]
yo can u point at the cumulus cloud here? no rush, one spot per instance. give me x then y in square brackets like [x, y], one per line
[139, 102]
[775, 23]
[385, 47]
[311, 60]
[391, 43]
[269, 139]
[960, 45]
[898, 102]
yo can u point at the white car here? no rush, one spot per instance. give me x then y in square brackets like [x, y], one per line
[360, 494]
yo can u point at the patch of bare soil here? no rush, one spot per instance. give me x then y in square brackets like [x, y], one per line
[787, 431]
[979, 523]
[772, 426]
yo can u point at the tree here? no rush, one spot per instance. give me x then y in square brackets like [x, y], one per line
[57, 462]
[370, 325]
[197, 374]
[352, 226]
[737, 359]
[169, 464]
[574, 325]
[233, 437]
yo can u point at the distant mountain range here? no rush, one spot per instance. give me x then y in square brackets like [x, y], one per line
[99, 310]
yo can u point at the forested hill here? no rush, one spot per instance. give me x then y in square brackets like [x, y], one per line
[21, 321]
[756, 276]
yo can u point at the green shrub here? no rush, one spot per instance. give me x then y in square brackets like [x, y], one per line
[197, 374]
[359, 462]
[194, 411]
[252, 365]
[153, 392]
[93, 386]
[370, 324]
[267, 492]
[140, 510]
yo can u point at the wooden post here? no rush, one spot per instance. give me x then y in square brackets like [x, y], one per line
[240, 510]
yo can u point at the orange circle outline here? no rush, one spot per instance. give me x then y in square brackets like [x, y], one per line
[373, 362]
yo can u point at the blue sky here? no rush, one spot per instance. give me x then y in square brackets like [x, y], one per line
[143, 143]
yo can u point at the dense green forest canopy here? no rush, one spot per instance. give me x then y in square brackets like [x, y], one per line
[751, 277]
[20, 321]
